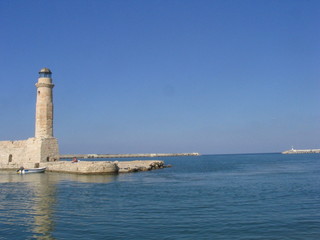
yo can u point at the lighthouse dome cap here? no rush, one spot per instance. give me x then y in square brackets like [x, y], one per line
[45, 70]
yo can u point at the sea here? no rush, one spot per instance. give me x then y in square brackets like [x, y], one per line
[236, 196]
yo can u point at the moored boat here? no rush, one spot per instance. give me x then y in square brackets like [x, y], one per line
[31, 170]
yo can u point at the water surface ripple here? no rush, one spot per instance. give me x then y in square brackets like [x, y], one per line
[254, 196]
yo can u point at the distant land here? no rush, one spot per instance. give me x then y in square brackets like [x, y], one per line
[300, 151]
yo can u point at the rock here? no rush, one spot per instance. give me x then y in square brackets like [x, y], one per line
[138, 165]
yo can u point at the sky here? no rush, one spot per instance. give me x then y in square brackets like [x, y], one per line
[169, 76]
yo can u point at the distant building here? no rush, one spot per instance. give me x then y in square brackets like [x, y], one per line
[43, 147]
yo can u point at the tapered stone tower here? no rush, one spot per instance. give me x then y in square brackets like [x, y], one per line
[44, 105]
[43, 147]
[49, 150]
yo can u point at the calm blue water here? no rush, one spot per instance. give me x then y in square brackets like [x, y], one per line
[258, 196]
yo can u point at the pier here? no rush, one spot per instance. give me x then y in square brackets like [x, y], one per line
[301, 151]
[98, 167]
[91, 167]
[138, 155]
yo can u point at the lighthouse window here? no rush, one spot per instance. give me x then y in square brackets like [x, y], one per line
[38, 92]
[45, 75]
[10, 158]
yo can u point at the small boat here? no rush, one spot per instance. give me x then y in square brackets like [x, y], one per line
[31, 170]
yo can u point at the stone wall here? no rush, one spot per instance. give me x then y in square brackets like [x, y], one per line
[32, 150]
[49, 150]
[13, 151]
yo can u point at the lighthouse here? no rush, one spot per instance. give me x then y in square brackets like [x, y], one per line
[44, 146]
[48, 149]
[44, 105]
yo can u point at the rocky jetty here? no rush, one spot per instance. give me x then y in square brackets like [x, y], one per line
[137, 166]
[82, 167]
[91, 167]
[138, 155]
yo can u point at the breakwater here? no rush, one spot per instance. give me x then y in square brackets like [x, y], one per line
[91, 167]
[139, 155]
[301, 151]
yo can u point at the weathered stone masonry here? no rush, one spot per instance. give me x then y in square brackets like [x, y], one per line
[43, 147]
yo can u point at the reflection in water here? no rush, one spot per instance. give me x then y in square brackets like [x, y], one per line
[82, 177]
[266, 196]
[44, 201]
[35, 195]
[53, 178]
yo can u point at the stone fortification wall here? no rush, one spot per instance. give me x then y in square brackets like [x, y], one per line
[13, 151]
[32, 150]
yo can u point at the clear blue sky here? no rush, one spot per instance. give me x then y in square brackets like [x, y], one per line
[216, 76]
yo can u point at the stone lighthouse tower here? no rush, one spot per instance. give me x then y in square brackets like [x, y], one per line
[48, 145]
[44, 105]
[43, 147]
